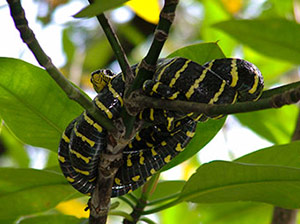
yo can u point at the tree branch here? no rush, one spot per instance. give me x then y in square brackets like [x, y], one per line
[99, 202]
[147, 66]
[28, 37]
[280, 89]
[288, 96]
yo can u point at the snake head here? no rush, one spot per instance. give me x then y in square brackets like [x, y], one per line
[101, 78]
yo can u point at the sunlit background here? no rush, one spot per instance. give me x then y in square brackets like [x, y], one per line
[78, 47]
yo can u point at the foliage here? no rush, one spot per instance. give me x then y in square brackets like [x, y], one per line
[34, 111]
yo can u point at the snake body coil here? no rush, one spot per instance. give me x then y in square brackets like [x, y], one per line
[221, 81]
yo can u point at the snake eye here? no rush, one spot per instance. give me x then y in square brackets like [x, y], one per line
[108, 72]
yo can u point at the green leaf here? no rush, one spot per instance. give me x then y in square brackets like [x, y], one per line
[32, 105]
[205, 132]
[235, 213]
[181, 213]
[208, 33]
[200, 53]
[28, 191]
[163, 189]
[281, 155]
[14, 179]
[221, 213]
[221, 181]
[15, 150]
[271, 69]
[271, 124]
[166, 188]
[284, 9]
[98, 7]
[50, 219]
[273, 37]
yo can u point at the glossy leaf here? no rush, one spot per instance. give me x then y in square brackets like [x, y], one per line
[163, 189]
[28, 191]
[235, 213]
[98, 7]
[272, 69]
[221, 181]
[214, 13]
[32, 104]
[281, 155]
[181, 213]
[50, 219]
[273, 37]
[166, 188]
[220, 213]
[200, 53]
[272, 124]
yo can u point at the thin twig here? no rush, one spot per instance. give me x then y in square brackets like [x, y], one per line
[116, 46]
[28, 37]
[147, 190]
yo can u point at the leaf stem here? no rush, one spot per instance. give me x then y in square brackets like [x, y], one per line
[132, 197]
[162, 207]
[120, 213]
[127, 201]
[145, 219]
[160, 200]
